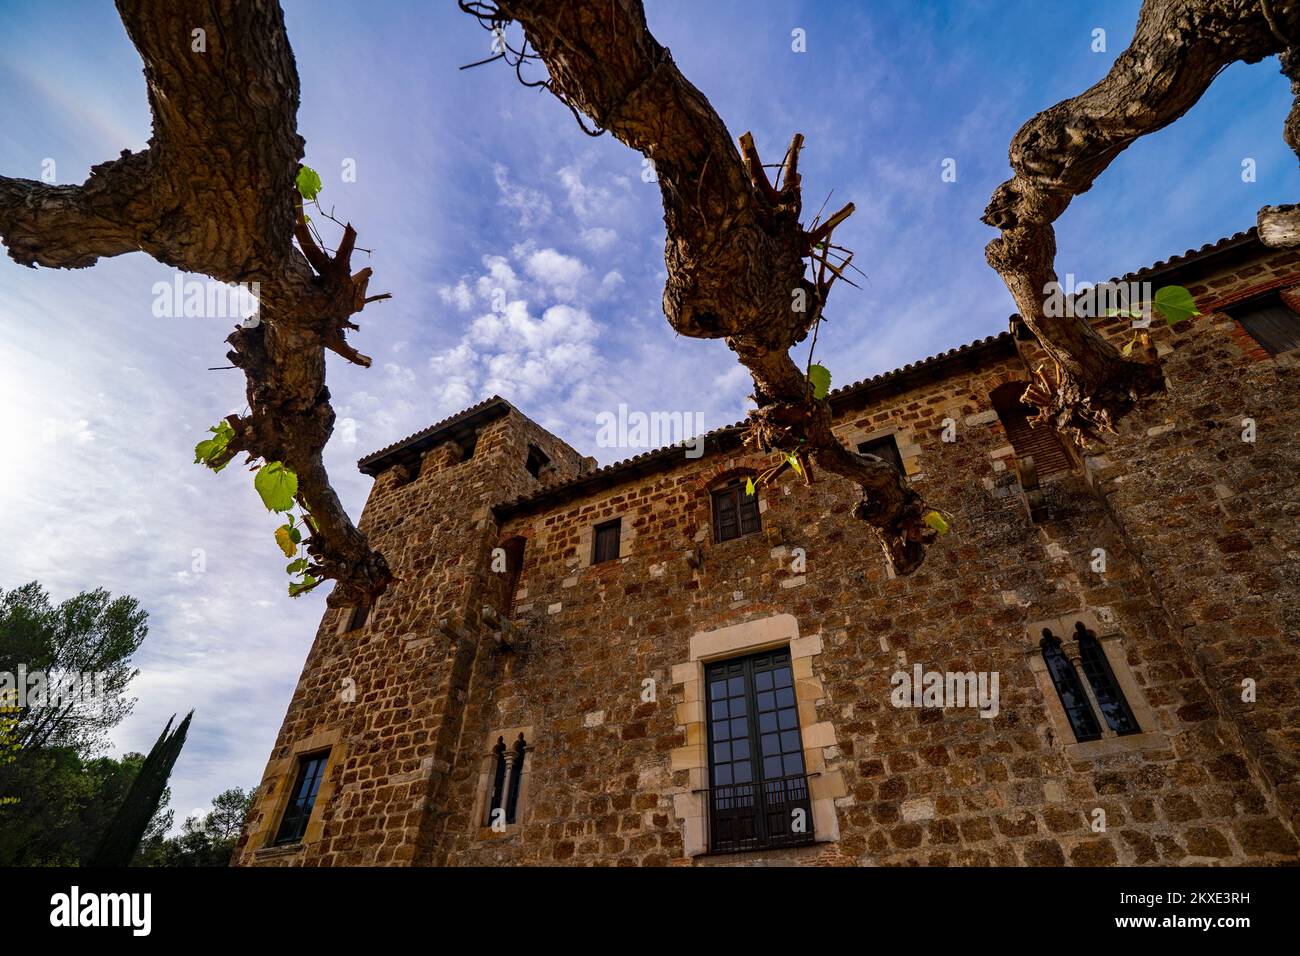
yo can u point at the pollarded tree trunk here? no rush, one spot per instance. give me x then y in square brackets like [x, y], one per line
[737, 253]
[214, 193]
[1178, 49]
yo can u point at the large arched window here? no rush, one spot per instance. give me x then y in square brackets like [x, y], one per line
[1038, 441]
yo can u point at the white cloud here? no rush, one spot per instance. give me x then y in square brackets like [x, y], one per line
[598, 238]
[559, 272]
[530, 206]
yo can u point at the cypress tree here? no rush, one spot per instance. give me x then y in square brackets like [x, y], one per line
[122, 836]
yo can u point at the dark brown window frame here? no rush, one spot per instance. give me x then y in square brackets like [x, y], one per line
[747, 515]
[1269, 321]
[609, 552]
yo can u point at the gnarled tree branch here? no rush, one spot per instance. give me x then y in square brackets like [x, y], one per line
[1178, 49]
[736, 250]
[214, 193]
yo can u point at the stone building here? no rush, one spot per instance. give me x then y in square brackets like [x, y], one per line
[641, 665]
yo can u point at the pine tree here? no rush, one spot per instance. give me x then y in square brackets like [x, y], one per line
[123, 835]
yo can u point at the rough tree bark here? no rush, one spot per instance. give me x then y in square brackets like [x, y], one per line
[214, 193]
[1178, 49]
[736, 252]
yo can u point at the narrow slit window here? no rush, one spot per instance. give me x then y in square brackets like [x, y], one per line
[735, 513]
[1074, 700]
[360, 615]
[605, 541]
[516, 779]
[293, 825]
[1114, 707]
[498, 781]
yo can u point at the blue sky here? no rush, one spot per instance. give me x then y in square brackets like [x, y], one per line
[466, 182]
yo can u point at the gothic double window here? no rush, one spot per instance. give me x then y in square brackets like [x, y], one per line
[1102, 694]
[507, 781]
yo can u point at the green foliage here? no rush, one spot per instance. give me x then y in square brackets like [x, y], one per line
[92, 633]
[276, 485]
[309, 184]
[208, 840]
[1175, 303]
[820, 376]
[125, 832]
[936, 521]
[210, 451]
[60, 803]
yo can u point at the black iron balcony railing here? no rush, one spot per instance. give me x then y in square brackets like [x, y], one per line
[760, 815]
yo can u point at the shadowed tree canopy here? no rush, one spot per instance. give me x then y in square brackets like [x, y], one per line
[214, 193]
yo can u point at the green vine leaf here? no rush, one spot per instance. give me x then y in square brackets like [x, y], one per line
[277, 485]
[308, 183]
[935, 520]
[284, 539]
[210, 449]
[820, 376]
[749, 487]
[1175, 303]
[794, 463]
[297, 566]
[297, 588]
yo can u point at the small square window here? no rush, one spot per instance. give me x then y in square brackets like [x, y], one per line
[537, 460]
[735, 513]
[1270, 323]
[885, 447]
[606, 541]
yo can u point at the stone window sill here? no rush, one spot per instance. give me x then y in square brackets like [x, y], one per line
[270, 852]
[1108, 746]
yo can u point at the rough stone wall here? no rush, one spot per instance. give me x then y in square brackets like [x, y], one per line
[1200, 586]
[408, 668]
[1212, 520]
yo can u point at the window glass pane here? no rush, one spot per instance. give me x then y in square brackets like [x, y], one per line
[771, 767]
[766, 701]
[736, 686]
[738, 707]
[793, 763]
[784, 677]
[763, 680]
[722, 752]
[767, 722]
[719, 709]
[771, 744]
[742, 771]
[789, 718]
[739, 727]
[785, 697]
